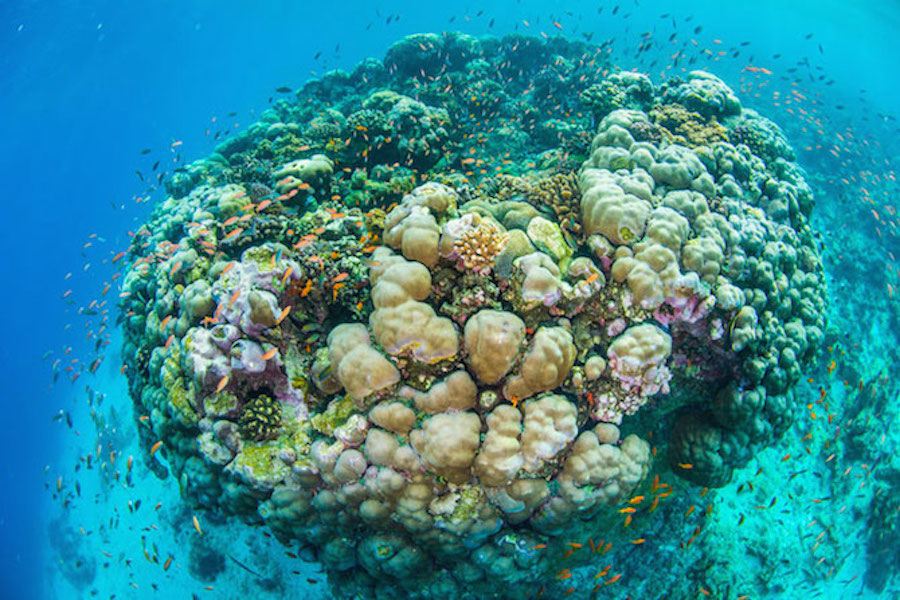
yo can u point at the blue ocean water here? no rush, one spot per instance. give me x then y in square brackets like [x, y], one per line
[89, 86]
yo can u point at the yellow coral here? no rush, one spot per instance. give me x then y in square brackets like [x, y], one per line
[509, 187]
[687, 128]
[478, 247]
[560, 193]
[374, 220]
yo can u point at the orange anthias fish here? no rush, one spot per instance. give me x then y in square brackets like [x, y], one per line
[197, 525]
[283, 315]
[233, 298]
[233, 233]
[306, 289]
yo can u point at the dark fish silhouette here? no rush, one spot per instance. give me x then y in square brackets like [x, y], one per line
[245, 567]
[283, 90]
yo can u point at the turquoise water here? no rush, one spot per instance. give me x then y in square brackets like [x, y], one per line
[107, 104]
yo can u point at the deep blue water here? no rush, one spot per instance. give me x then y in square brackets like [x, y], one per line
[87, 86]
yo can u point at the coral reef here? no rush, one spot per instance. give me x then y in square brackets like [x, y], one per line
[390, 323]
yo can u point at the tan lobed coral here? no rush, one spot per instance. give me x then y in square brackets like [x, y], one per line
[401, 322]
[411, 226]
[448, 442]
[493, 340]
[360, 368]
[545, 365]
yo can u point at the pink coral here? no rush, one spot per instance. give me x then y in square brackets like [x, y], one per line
[610, 408]
[640, 379]
[689, 302]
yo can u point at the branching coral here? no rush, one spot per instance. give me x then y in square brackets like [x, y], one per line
[561, 194]
[478, 246]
